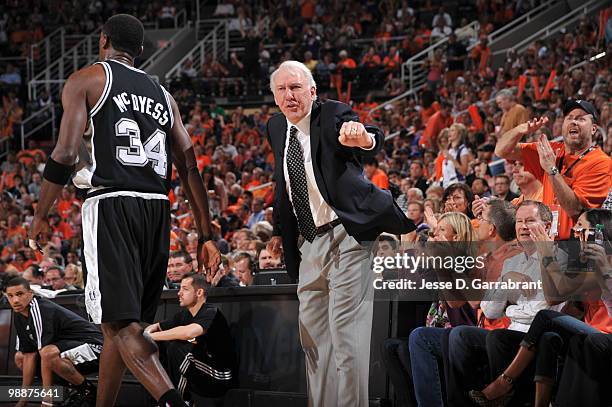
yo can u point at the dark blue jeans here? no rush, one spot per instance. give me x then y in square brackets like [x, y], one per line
[550, 333]
[396, 357]
[587, 374]
[467, 367]
[425, 346]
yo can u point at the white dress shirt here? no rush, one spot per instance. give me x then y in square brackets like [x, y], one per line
[522, 309]
[322, 213]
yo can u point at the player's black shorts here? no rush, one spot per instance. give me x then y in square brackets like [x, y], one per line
[126, 237]
[84, 356]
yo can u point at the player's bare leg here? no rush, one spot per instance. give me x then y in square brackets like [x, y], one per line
[139, 353]
[111, 372]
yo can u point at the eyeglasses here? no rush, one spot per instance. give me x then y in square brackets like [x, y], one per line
[453, 198]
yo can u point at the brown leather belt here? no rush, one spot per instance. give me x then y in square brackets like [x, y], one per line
[327, 227]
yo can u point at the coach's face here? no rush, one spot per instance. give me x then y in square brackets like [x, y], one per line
[293, 94]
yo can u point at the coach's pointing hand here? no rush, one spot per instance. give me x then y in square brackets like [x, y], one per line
[354, 134]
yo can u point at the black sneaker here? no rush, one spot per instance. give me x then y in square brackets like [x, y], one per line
[85, 398]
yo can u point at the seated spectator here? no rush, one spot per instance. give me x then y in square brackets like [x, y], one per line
[375, 174]
[538, 344]
[458, 198]
[417, 177]
[73, 276]
[257, 213]
[196, 344]
[67, 344]
[179, 264]
[34, 275]
[480, 188]
[54, 276]
[473, 348]
[502, 188]
[416, 213]
[265, 260]
[425, 344]
[244, 269]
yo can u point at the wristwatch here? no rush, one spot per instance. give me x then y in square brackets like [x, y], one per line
[552, 171]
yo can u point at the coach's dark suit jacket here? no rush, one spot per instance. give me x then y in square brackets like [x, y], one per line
[364, 209]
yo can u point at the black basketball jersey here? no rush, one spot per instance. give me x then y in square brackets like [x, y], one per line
[127, 144]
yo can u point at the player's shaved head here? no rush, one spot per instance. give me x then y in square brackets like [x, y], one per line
[126, 33]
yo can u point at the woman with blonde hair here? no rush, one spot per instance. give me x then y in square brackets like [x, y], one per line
[420, 355]
[456, 156]
[73, 275]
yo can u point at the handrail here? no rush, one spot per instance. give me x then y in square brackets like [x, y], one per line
[407, 93]
[153, 58]
[555, 26]
[416, 59]
[504, 31]
[586, 61]
[45, 44]
[56, 70]
[47, 110]
[212, 37]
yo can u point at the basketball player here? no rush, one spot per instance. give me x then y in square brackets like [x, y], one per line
[133, 134]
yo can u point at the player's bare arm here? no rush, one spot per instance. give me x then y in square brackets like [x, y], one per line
[81, 90]
[191, 181]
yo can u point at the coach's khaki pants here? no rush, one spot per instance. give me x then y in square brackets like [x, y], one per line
[335, 293]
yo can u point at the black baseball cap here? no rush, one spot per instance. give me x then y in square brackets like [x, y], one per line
[581, 104]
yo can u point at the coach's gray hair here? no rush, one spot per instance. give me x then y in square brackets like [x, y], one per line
[506, 93]
[293, 66]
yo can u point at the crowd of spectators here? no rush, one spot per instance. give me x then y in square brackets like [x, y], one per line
[449, 164]
[446, 135]
[364, 43]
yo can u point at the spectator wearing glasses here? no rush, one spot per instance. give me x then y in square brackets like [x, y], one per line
[550, 332]
[502, 188]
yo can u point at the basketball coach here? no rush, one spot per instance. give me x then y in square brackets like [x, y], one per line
[326, 214]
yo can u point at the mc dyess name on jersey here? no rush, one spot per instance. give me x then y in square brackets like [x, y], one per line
[142, 104]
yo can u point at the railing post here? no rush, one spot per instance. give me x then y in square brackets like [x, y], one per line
[214, 38]
[53, 129]
[225, 25]
[22, 136]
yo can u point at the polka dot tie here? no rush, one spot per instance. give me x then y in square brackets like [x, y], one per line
[299, 187]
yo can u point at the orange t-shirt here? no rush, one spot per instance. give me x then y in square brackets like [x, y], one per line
[590, 178]
[63, 207]
[18, 230]
[348, 63]
[380, 179]
[435, 125]
[596, 315]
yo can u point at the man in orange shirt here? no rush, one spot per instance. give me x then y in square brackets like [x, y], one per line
[375, 174]
[575, 174]
[438, 121]
[345, 61]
